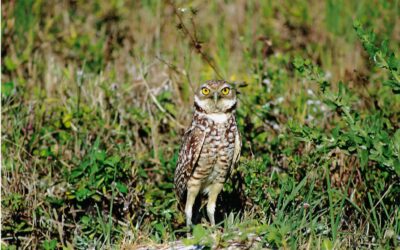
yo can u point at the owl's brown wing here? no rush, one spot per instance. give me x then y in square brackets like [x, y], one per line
[189, 153]
[236, 151]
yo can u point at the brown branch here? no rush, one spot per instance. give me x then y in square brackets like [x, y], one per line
[193, 39]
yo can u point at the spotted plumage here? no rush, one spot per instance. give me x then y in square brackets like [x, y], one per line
[210, 147]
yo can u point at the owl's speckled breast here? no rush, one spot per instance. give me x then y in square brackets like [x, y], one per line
[217, 153]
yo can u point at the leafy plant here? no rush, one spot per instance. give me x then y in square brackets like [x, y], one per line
[97, 172]
[95, 99]
[381, 55]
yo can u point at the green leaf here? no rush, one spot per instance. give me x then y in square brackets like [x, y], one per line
[394, 85]
[298, 63]
[160, 228]
[82, 194]
[50, 244]
[397, 167]
[96, 197]
[122, 187]
[363, 157]
[6, 88]
[396, 140]
[100, 155]
[85, 219]
[199, 232]
[54, 200]
[66, 120]
[112, 161]
[327, 244]
[10, 64]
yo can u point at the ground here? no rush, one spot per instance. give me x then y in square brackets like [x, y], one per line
[96, 97]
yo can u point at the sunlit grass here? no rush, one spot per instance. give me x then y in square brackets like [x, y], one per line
[96, 96]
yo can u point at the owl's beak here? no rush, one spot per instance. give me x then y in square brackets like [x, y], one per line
[215, 98]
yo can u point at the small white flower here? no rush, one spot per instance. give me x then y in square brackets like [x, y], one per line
[310, 102]
[276, 126]
[328, 75]
[266, 106]
[280, 99]
[79, 73]
[310, 92]
[114, 86]
[267, 81]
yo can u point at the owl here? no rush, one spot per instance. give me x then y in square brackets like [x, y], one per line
[210, 147]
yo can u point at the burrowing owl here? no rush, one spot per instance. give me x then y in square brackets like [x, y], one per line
[210, 147]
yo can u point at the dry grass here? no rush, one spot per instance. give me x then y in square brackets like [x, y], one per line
[95, 98]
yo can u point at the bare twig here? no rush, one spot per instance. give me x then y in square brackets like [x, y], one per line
[154, 133]
[193, 39]
[156, 102]
[176, 70]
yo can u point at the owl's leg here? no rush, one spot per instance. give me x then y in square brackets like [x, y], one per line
[214, 190]
[192, 192]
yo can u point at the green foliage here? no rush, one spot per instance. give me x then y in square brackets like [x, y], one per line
[373, 136]
[6, 89]
[381, 55]
[201, 236]
[96, 95]
[50, 244]
[98, 172]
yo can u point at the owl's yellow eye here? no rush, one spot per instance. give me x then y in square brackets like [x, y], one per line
[225, 91]
[205, 91]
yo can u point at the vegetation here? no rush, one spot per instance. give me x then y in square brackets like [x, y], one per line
[96, 96]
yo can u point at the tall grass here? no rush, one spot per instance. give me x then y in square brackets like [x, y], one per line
[96, 96]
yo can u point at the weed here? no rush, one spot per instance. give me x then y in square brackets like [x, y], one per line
[95, 98]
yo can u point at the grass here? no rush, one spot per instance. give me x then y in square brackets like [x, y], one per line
[96, 96]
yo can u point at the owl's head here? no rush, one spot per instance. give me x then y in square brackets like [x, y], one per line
[215, 96]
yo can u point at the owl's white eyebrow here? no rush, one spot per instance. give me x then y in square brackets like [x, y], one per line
[226, 86]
